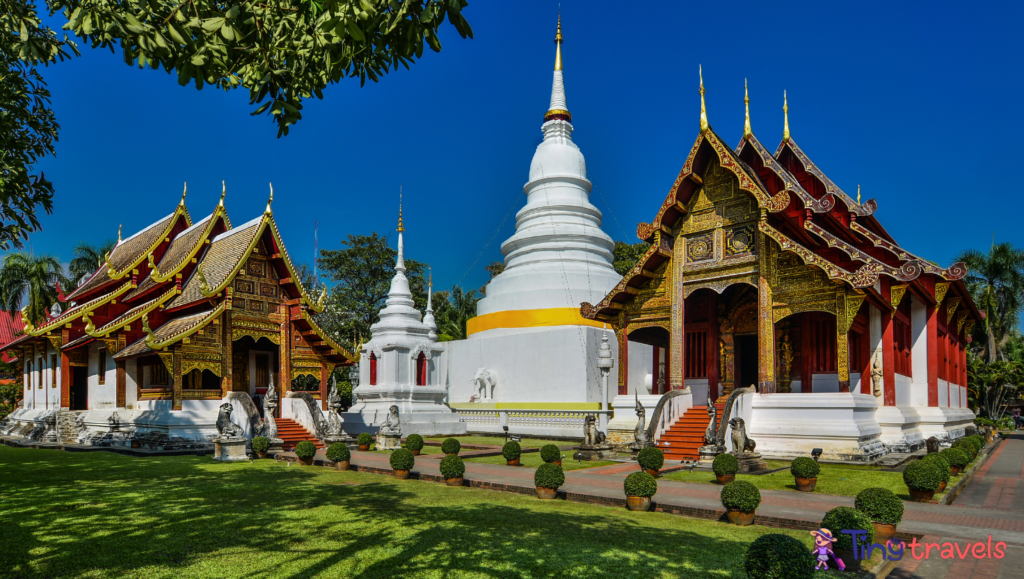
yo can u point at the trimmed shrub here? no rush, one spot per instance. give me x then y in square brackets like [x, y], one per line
[922, 475]
[968, 448]
[338, 452]
[305, 450]
[849, 519]
[880, 505]
[943, 464]
[402, 459]
[414, 442]
[740, 495]
[451, 446]
[725, 464]
[550, 453]
[640, 484]
[549, 476]
[804, 467]
[260, 444]
[511, 450]
[364, 439]
[651, 458]
[774, 556]
[956, 457]
[979, 441]
[452, 466]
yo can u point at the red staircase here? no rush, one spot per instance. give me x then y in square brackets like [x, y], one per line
[292, 433]
[683, 439]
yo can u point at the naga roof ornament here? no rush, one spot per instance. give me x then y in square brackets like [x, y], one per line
[747, 132]
[785, 117]
[704, 126]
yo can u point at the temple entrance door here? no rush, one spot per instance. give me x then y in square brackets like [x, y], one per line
[746, 361]
[79, 393]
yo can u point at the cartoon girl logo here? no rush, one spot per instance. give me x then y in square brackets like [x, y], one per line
[823, 549]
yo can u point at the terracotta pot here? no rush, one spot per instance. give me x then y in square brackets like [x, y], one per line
[921, 496]
[306, 461]
[364, 447]
[638, 503]
[400, 474]
[942, 487]
[653, 472]
[513, 462]
[261, 454]
[806, 484]
[454, 482]
[136, 444]
[883, 533]
[725, 478]
[546, 493]
[852, 564]
[558, 462]
[341, 465]
[741, 518]
[415, 452]
[954, 470]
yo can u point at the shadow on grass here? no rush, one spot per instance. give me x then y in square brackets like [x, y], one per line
[103, 515]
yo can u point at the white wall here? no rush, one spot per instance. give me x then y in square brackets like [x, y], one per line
[101, 396]
[943, 393]
[919, 350]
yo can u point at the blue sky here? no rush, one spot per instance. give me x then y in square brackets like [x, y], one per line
[921, 107]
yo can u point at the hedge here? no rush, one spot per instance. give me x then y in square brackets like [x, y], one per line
[880, 505]
[364, 439]
[338, 452]
[402, 459]
[511, 450]
[741, 495]
[651, 458]
[305, 450]
[956, 457]
[260, 444]
[414, 442]
[452, 466]
[922, 475]
[451, 446]
[842, 519]
[640, 484]
[550, 453]
[725, 464]
[774, 556]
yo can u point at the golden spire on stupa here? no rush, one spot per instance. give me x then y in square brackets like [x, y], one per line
[785, 113]
[746, 102]
[401, 228]
[703, 110]
[558, 44]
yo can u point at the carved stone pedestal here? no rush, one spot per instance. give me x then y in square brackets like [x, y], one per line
[751, 462]
[229, 449]
[275, 444]
[595, 452]
[389, 441]
[710, 451]
[345, 439]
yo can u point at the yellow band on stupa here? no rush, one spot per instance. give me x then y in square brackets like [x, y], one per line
[529, 319]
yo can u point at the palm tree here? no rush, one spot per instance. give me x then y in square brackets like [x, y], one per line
[996, 282]
[452, 310]
[88, 258]
[30, 280]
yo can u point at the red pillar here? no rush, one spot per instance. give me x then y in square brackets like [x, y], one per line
[711, 357]
[324, 377]
[65, 380]
[888, 360]
[932, 344]
[623, 361]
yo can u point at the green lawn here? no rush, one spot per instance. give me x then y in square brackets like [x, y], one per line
[104, 515]
[500, 441]
[533, 460]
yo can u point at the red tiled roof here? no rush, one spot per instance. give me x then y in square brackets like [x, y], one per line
[10, 326]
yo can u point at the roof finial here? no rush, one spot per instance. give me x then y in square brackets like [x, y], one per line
[223, 192]
[785, 112]
[183, 194]
[703, 110]
[401, 227]
[858, 193]
[558, 110]
[746, 102]
[558, 43]
[119, 233]
[269, 201]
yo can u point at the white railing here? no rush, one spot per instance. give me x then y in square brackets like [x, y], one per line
[538, 422]
[672, 407]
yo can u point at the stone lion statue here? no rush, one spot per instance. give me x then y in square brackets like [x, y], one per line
[740, 442]
[591, 435]
[226, 428]
[485, 380]
[392, 426]
[711, 433]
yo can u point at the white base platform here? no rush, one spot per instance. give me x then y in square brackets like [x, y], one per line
[420, 410]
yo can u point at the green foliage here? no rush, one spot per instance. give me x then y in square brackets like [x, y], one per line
[956, 457]
[451, 446]
[804, 467]
[402, 459]
[725, 464]
[338, 452]
[364, 439]
[625, 255]
[996, 282]
[88, 258]
[452, 310]
[968, 448]
[991, 385]
[942, 462]
[452, 466]
[1004, 423]
[260, 444]
[651, 458]
[977, 440]
[850, 519]
[740, 495]
[880, 505]
[549, 476]
[640, 484]
[305, 450]
[550, 453]
[414, 442]
[13, 391]
[511, 450]
[778, 557]
[30, 281]
[922, 475]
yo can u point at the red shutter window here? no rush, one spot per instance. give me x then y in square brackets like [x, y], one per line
[373, 369]
[696, 354]
[823, 336]
[421, 370]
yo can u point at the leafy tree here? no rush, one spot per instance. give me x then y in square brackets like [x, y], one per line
[627, 254]
[452, 309]
[495, 268]
[996, 282]
[32, 279]
[88, 258]
[991, 385]
[11, 387]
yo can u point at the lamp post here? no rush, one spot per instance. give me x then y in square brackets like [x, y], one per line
[604, 363]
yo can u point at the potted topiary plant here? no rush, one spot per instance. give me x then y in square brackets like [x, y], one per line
[805, 470]
[842, 519]
[260, 445]
[651, 459]
[922, 477]
[364, 441]
[968, 448]
[740, 500]
[451, 446]
[401, 463]
[548, 478]
[305, 450]
[639, 487]
[725, 466]
[414, 443]
[339, 454]
[511, 451]
[883, 508]
[943, 468]
[550, 453]
[957, 459]
[452, 469]
[774, 556]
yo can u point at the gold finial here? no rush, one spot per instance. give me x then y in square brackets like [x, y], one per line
[271, 200]
[119, 232]
[183, 194]
[223, 192]
[858, 193]
[785, 113]
[401, 227]
[746, 102]
[558, 44]
[703, 110]
[430, 277]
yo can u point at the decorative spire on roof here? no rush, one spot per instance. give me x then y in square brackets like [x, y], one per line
[269, 201]
[858, 193]
[223, 192]
[785, 113]
[119, 232]
[183, 194]
[746, 103]
[401, 227]
[558, 110]
[428, 319]
[703, 110]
